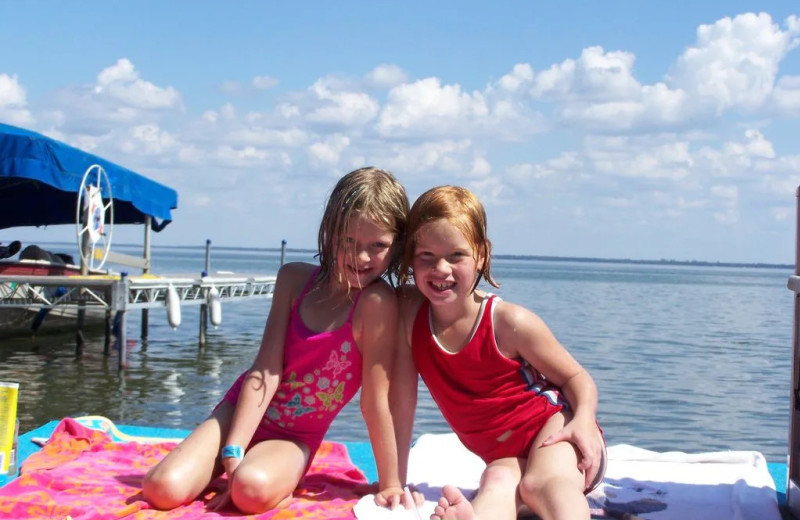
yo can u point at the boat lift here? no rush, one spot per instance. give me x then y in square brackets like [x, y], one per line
[46, 182]
[117, 294]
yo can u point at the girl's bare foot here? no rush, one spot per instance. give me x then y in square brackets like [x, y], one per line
[453, 505]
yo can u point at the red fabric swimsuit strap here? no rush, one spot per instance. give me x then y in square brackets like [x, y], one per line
[422, 320]
[487, 320]
[491, 301]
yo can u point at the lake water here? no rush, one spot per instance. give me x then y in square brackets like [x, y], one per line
[685, 358]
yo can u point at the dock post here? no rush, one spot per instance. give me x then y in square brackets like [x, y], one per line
[283, 250]
[84, 252]
[145, 270]
[120, 292]
[109, 332]
[203, 306]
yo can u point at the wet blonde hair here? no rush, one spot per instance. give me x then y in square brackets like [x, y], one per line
[371, 193]
[462, 209]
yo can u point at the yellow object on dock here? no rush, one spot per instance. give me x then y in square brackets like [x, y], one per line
[8, 427]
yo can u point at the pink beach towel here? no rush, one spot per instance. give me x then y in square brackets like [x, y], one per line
[83, 474]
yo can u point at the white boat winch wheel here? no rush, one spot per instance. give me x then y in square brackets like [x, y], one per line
[94, 217]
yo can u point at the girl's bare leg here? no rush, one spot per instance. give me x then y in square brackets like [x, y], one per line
[268, 475]
[552, 485]
[189, 468]
[496, 498]
[265, 478]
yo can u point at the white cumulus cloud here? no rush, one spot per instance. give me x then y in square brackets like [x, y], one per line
[122, 83]
[735, 61]
[327, 152]
[520, 75]
[387, 76]
[149, 139]
[786, 96]
[596, 76]
[429, 105]
[13, 101]
[341, 107]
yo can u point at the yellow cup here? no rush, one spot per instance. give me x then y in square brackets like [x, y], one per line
[8, 429]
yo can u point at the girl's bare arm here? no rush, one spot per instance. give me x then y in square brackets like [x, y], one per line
[375, 322]
[403, 389]
[521, 333]
[264, 376]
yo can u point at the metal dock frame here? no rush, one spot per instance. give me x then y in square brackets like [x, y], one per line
[793, 476]
[118, 294]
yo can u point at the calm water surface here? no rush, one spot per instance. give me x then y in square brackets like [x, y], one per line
[685, 358]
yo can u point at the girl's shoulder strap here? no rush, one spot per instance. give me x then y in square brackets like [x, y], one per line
[491, 300]
[355, 301]
[307, 286]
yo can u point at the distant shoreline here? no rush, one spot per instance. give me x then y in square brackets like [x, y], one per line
[539, 258]
[691, 263]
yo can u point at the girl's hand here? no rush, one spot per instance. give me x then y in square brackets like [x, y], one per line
[389, 497]
[366, 488]
[585, 436]
[222, 500]
[219, 502]
[230, 464]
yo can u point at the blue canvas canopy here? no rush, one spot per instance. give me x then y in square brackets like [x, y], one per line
[40, 178]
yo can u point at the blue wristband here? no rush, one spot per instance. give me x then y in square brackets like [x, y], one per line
[232, 451]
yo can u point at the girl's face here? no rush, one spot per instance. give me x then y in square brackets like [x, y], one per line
[365, 253]
[445, 265]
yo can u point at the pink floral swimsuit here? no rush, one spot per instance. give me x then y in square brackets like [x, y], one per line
[321, 373]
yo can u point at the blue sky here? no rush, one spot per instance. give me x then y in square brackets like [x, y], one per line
[615, 129]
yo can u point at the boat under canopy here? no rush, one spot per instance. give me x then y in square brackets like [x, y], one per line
[40, 178]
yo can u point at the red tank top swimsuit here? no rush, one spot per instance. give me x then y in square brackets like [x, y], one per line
[494, 404]
[321, 373]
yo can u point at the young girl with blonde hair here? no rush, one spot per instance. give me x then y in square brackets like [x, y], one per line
[331, 327]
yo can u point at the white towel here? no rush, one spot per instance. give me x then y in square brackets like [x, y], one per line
[435, 460]
[733, 485]
[727, 485]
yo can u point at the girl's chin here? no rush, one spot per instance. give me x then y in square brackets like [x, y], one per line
[362, 279]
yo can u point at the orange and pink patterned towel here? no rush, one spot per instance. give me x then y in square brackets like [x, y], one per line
[82, 474]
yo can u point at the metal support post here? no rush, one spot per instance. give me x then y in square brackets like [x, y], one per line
[109, 332]
[793, 480]
[203, 306]
[84, 252]
[145, 270]
[119, 300]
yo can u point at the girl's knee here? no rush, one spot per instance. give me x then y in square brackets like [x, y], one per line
[165, 489]
[535, 490]
[254, 490]
[498, 477]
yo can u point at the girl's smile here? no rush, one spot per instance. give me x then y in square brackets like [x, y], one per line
[364, 254]
[445, 265]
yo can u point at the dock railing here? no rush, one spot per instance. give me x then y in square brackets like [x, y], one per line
[117, 294]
